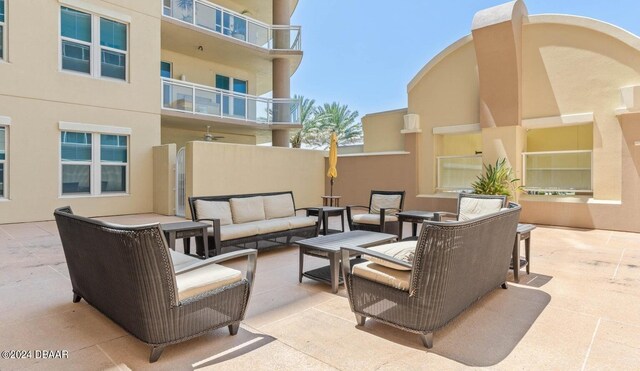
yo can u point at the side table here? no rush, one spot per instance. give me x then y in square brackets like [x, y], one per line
[328, 211]
[522, 233]
[414, 217]
[186, 230]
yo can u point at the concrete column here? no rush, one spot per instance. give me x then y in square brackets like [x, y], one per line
[505, 142]
[281, 73]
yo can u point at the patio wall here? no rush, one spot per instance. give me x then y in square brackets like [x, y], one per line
[221, 169]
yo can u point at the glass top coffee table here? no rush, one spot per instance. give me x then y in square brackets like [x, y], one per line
[328, 247]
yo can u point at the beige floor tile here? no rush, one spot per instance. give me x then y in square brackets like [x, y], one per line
[32, 300]
[22, 231]
[616, 346]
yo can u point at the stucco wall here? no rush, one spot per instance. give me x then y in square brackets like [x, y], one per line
[382, 131]
[181, 136]
[164, 179]
[221, 169]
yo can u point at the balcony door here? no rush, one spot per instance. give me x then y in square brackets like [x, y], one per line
[233, 105]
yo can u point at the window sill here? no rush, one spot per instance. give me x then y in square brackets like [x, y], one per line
[568, 199]
[106, 195]
[89, 76]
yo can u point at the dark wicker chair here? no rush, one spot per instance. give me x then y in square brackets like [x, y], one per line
[472, 205]
[128, 274]
[455, 264]
[380, 216]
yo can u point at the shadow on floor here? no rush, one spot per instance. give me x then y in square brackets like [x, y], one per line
[483, 335]
[256, 341]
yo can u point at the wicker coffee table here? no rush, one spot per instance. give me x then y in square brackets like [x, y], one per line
[328, 247]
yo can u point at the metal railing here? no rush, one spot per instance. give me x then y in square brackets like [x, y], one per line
[457, 173]
[557, 172]
[204, 100]
[214, 18]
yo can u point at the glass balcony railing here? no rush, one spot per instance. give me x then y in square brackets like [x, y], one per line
[557, 172]
[214, 18]
[457, 173]
[208, 101]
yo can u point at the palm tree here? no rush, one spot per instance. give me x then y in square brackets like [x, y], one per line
[308, 119]
[340, 119]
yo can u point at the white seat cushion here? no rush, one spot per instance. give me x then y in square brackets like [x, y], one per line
[383, 275]
[209, 277]
[301, 221]
[270, 226]
[373, 218]
[181, 260]
[214, 210]
[278, 206]
[233, 231]
[379, 201]
[471, 208]
[247, 209]
[404, 250]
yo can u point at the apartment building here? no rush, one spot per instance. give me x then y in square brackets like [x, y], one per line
[89, 91]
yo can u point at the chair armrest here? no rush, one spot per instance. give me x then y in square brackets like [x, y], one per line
[383, 210]
[251, 255]
[357, 206]
[437, 216]
[345, 253]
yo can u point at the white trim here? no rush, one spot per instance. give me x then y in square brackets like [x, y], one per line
[457, 129]
[558, 121]
[91, 128]
[636, 143]
[97, 9]
[5, 120]
[390, 153]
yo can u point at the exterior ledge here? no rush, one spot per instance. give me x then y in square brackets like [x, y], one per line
[568, 199]
[410, 131]
[557, 121]
[390, 153]
[451, 195]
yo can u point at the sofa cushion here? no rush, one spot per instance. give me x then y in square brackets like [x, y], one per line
[384, 275]
[302, 221]
[214, 210]
[206, 278]
[476, 207]
[278, 206]
[379, 201]
[247, 209]
[373, 218]
[404, 250]
[233, 231]
[270, 226]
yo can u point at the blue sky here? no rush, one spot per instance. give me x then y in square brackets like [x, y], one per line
[364, 52]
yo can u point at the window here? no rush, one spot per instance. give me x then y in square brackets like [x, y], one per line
[93, 45]
[165, 69]
[3, 161]
[2, 30]
[93, 163]
[458, 161]
[233, 105]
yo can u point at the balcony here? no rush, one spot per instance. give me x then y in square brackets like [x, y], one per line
[457, 173]
[557, 172]
[213, 18]
[208, 102]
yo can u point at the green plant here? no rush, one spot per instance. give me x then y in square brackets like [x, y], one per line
[496, 180]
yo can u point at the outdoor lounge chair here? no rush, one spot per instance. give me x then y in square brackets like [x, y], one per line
[454, 265]
[380, 216]
[472, 206]
[159, 296]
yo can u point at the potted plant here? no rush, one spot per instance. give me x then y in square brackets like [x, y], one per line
[496, 179]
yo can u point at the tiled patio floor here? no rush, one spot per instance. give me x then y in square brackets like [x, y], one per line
[579, 309]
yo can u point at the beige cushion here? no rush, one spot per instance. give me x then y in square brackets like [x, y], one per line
[373, 218]
[209, 277]
[233, 231]
[383, 275]
[278, 206]
[248, 209]
[214, 210]
[404, 250]
[476, 207]
[270, 226]
[301, 221]
[385, 201]
[181, 260]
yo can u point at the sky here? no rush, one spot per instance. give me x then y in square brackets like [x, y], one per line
[363, 53]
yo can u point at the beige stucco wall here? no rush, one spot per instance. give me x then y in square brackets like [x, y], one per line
[164, 179]
[221, 169]
[181, 136]
[382, 131]
[570, 138]
[36, 95]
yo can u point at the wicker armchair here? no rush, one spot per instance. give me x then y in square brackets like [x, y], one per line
[159, 296]
[380, 216]
[455, 264]
[472, 206]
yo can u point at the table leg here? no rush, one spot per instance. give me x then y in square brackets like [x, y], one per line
[325, 223]
[527, 252]
[301, 262]
[400, 223]
[342, 220]
[172, 240]
[414, 229]
[205, 242]
[334, 267]
[186, 242]
[515, 256]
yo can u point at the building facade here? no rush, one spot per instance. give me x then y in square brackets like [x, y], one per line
[88, 93]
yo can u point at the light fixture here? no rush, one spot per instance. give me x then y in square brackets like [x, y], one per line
[208, 137]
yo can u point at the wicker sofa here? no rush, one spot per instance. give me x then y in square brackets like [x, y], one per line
[159, 296]
[452, 265]
[240, 219]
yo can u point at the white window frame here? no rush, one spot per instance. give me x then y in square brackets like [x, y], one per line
[95, 48]
[3, 24]
[95, 163]
[5, 123]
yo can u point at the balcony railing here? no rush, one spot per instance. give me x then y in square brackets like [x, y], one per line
[207, 101]
[214, 18]
[457, 173]
[557, 172]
